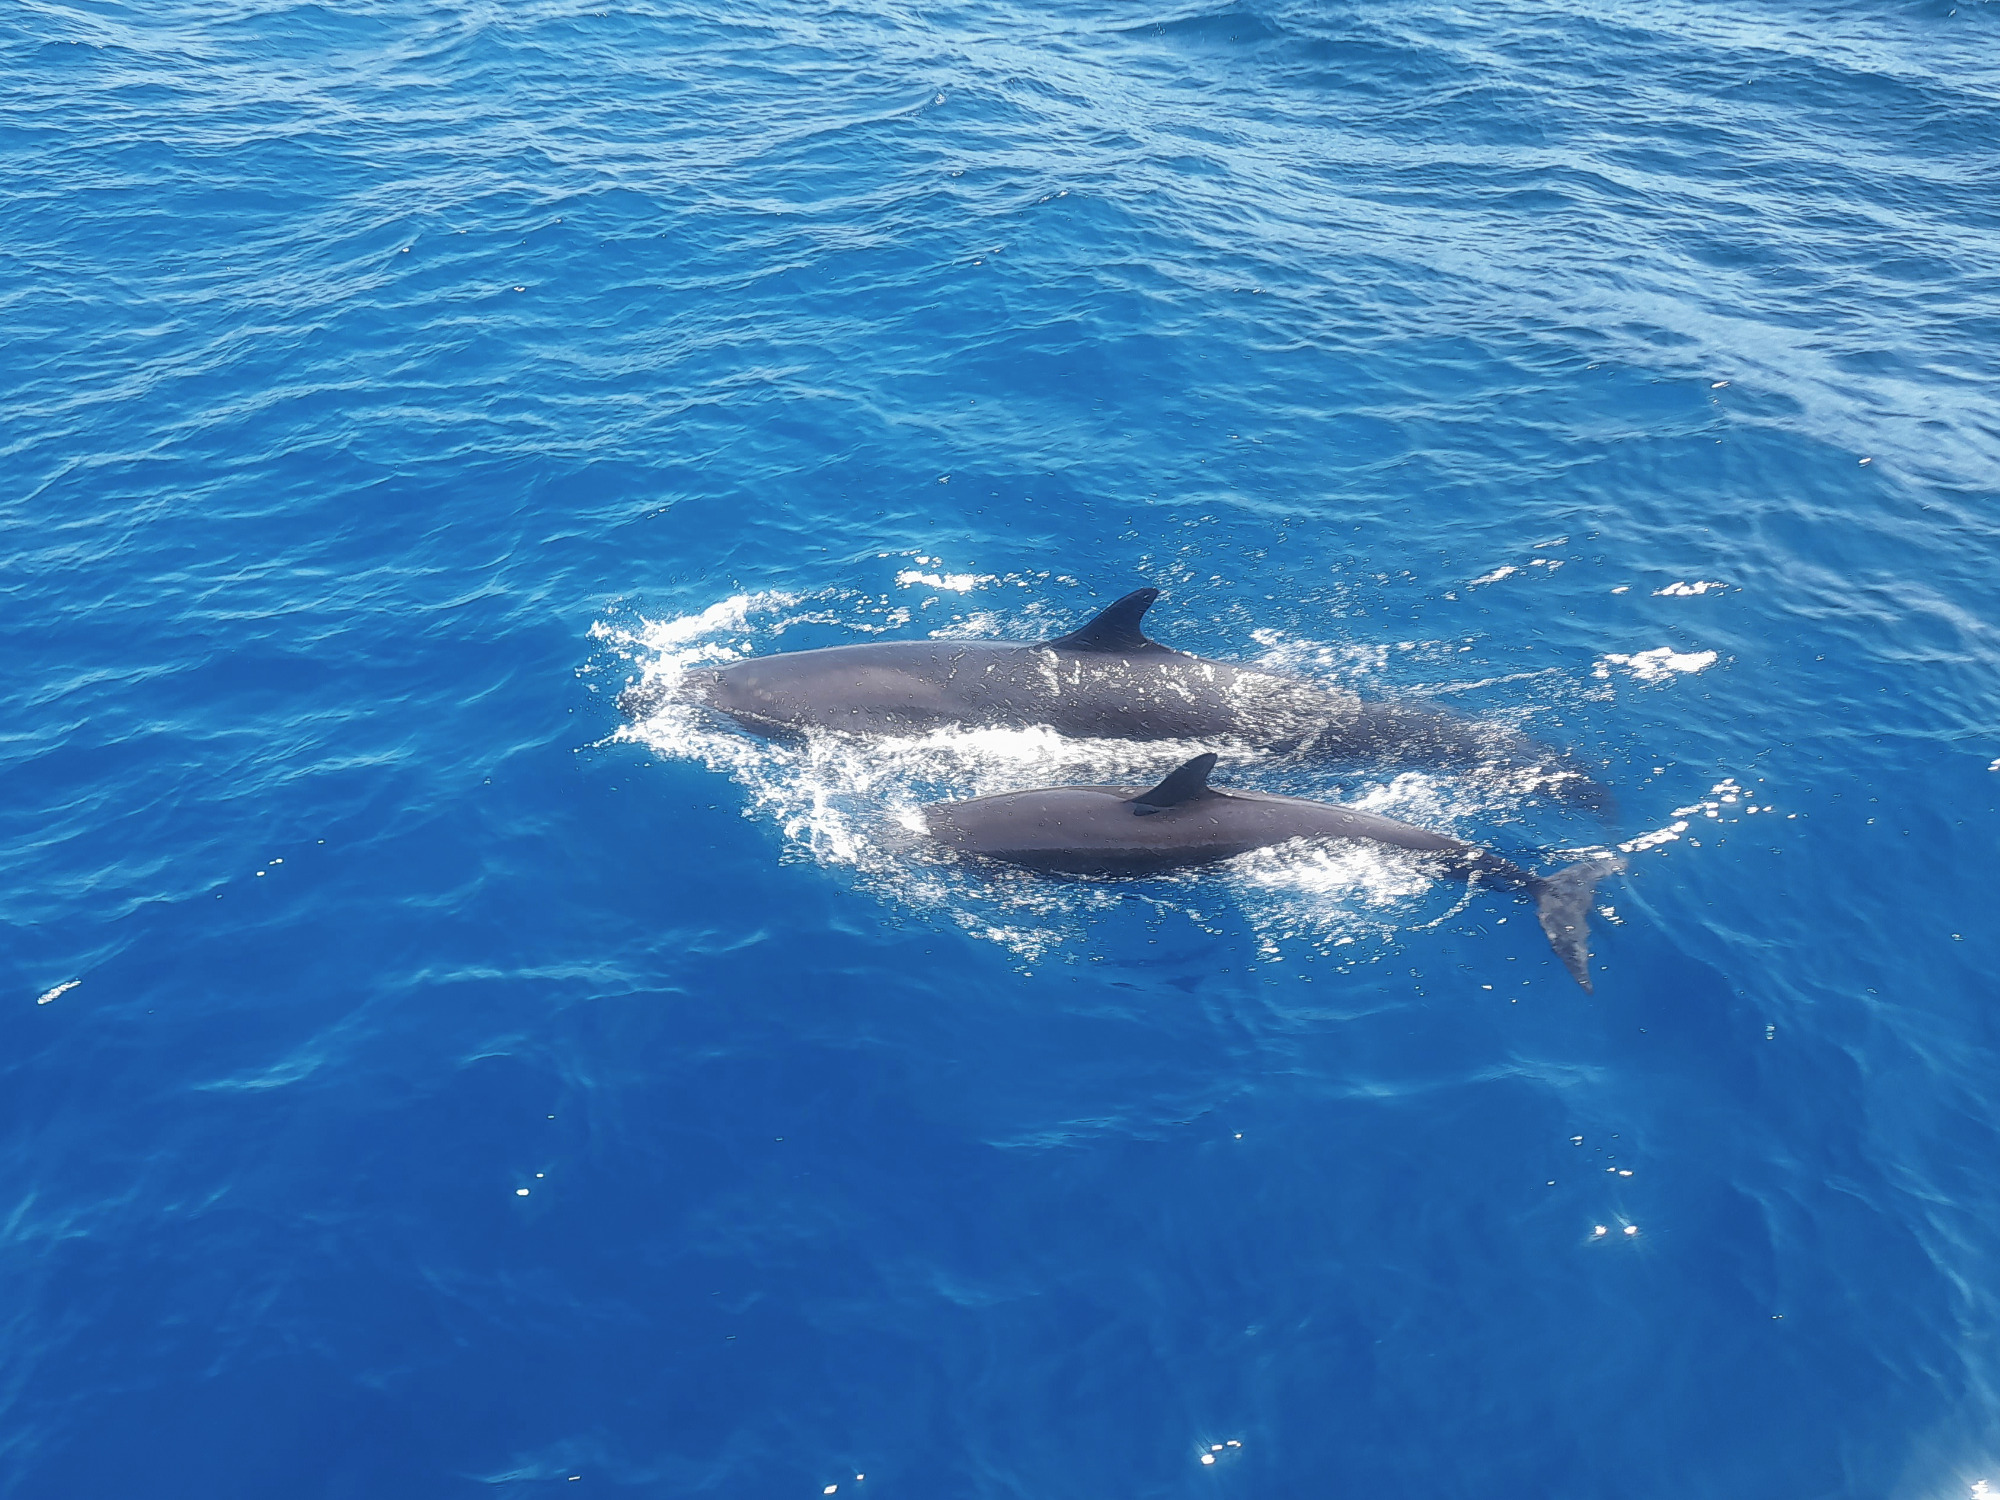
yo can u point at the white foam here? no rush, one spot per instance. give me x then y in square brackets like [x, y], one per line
[980, 625]
[1304, 658]
[957, 583]
[732, 613]
[1688, 590]
[1658, 665]
[1721, 804]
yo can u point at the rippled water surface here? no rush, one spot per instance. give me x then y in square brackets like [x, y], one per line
[422, 1081]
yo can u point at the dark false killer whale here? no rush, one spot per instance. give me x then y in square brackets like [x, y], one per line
[1111, 830]
[1105, 680]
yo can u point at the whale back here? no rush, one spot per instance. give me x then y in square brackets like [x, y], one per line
[1182, 822]
[1088, 830]
[903, 687]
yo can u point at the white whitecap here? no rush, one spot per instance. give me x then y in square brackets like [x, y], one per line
[1688, 590]
[956, 583]
[1657, 665]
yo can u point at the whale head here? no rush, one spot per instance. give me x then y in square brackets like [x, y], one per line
[769, 695]
[646, 697]
[765, 694]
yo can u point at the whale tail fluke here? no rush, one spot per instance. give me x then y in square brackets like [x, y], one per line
[1562, 902]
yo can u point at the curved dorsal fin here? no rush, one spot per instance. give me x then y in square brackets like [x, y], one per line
[1188, 783]
[1115, 629]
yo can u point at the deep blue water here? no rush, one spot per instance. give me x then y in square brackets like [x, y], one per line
[419, 1082]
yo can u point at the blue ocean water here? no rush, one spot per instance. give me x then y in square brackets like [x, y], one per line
[421, 1082]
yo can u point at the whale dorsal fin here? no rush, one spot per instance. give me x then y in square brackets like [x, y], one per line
[1115, 629]
[1188, 783]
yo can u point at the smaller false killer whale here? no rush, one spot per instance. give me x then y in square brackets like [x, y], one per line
[1111, 830]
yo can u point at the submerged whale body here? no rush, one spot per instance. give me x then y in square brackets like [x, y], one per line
[1105, 680]
[1182, 822]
